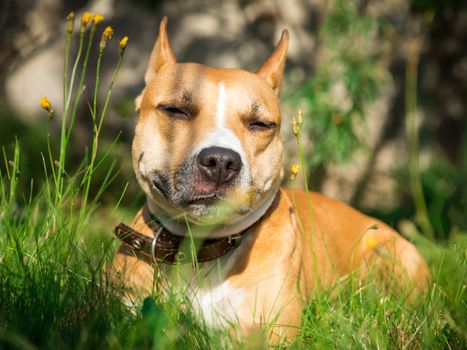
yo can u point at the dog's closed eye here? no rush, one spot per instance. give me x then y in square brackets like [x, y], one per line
[258, 125]
[174, 111]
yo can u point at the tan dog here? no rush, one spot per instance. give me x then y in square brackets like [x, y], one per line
[208, 154]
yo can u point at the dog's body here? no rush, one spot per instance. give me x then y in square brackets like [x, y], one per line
[208, 151]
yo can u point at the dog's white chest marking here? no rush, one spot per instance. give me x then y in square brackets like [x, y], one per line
[218, 305]
[211, 296]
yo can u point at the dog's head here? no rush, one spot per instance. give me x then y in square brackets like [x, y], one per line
[207, 143]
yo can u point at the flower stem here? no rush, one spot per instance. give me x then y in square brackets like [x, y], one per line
[416, 187]
[97, 127]
[81, 82]
[96, 87]
[65, 68]
[63, 133]
[313, 242]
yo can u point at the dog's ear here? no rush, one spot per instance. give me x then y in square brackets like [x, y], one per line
[162, 55]
[273, 69]
[138, 101]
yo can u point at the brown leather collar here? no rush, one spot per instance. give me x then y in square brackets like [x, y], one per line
[167, 248]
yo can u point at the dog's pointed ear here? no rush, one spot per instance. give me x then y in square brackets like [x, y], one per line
[162, 55]
[273, 69]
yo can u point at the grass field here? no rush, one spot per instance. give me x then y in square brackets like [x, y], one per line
[56, 246]
[54, 296]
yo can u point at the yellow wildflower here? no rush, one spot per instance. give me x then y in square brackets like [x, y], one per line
[295, 128]
[123, 42]
[97, 19]
[85, 19]
[240, 198]
[45, 104]
[107, 34]
[371, 243]
[297, 123]
[299, 118]
[294, 169]
[70, 22]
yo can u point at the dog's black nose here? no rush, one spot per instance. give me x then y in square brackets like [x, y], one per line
[219, 165]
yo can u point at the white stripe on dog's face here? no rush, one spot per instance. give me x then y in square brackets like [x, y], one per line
[220, 112]
[222, 136]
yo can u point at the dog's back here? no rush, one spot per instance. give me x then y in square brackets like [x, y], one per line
[347, 241]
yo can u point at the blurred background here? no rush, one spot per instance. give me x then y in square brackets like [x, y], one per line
[346, 69]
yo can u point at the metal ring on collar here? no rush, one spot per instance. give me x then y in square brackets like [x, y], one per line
[154, 242]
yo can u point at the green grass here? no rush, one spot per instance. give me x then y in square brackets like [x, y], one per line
[366, 319]
[54, 293]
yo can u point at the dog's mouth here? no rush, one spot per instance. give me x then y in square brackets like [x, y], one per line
[183, 197]
[205, 199]
[203, 203]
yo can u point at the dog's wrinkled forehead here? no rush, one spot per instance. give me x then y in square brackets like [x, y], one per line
[196, 84]
[214, 104]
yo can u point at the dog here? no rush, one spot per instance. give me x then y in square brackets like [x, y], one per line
[207, 152]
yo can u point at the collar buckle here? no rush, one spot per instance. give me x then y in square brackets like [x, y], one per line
[235, 237]
[154, 242]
